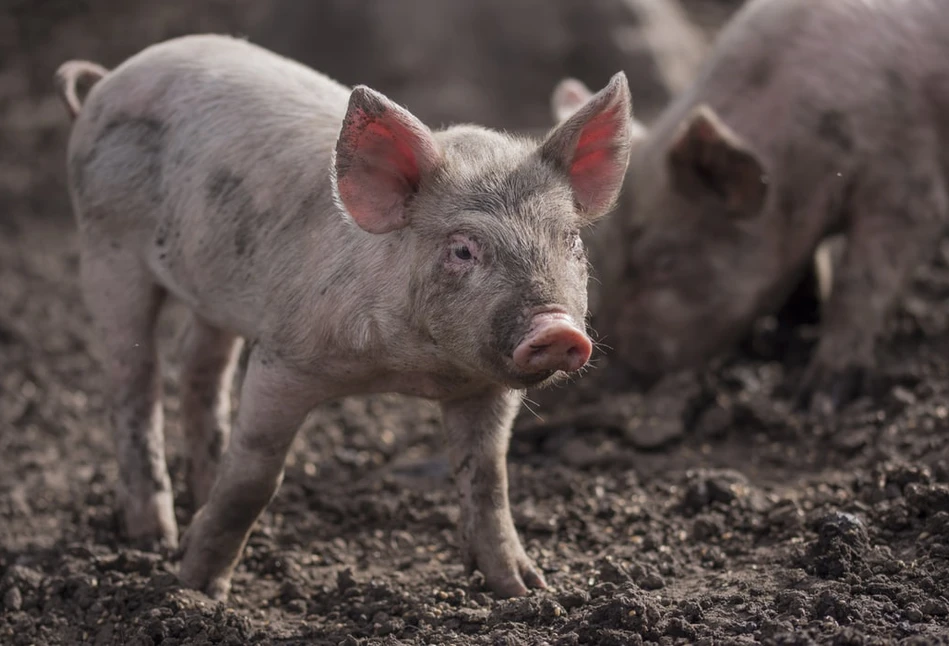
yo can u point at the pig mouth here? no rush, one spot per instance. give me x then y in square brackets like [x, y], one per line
[554, 343]
[535, 379]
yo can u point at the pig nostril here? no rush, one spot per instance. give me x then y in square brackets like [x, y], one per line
[552, 346]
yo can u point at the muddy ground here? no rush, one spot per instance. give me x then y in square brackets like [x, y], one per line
[755, 525]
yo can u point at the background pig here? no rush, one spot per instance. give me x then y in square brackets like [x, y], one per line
[356, 249]
[790, 133]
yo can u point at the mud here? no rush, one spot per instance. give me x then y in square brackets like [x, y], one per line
[746, 523]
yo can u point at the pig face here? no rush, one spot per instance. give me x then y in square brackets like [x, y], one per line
[687, 266]
[498, 272]
[500, 267]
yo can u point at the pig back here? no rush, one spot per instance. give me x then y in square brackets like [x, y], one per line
[212, 157]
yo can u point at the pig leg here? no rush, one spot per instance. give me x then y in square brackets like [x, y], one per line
[274, 401]
[207, 370]
[479, 430]
[125, 302]
[895, 225]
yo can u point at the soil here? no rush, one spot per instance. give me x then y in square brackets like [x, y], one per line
[749, 523]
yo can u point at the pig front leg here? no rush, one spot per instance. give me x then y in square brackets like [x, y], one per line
[274, 401]
[479, 430]
[895, 225]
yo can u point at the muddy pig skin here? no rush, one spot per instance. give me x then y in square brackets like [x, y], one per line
[810, 118]
[356, 251]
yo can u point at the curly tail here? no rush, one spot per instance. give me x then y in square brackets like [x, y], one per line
[67, 78]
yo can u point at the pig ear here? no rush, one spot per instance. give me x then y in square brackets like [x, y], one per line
[592, 147]
[707, 159]
[383, 153]
[568, 97]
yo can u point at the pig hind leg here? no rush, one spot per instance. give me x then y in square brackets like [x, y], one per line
[895, 221]
[208, 361]
[125, 302]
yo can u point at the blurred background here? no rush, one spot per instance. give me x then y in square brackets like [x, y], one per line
[493, 62]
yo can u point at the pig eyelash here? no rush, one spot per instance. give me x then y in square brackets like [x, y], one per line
[463, 250]
[576, 244]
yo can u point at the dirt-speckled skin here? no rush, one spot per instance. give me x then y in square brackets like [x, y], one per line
[358, 251]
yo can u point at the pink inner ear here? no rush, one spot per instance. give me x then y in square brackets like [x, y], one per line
[391, 148]
[597, 167]
[379, 169]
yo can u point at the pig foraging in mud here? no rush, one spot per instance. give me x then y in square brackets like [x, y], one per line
[809, 119]
[357, 250]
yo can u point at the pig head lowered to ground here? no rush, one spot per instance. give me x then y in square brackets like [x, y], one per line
[809, 119]
[357, 250]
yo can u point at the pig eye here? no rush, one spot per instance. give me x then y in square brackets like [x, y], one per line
[463, 250]
[575, 244]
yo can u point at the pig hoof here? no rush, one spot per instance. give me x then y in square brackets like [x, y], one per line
[197, 577]
[516, 584]
[216, 589]
[508, 587]
[154, 544]
[533, 578]
[825, 391]
[150, 524]
[195, 571]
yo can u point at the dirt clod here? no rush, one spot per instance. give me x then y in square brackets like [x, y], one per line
[840, 546]
[745, 523]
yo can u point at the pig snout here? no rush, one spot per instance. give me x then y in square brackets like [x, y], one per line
[554, 342]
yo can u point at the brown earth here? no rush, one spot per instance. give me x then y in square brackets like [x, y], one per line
[755, 525]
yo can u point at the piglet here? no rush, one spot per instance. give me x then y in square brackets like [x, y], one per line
[355, 249]
[810, 120]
